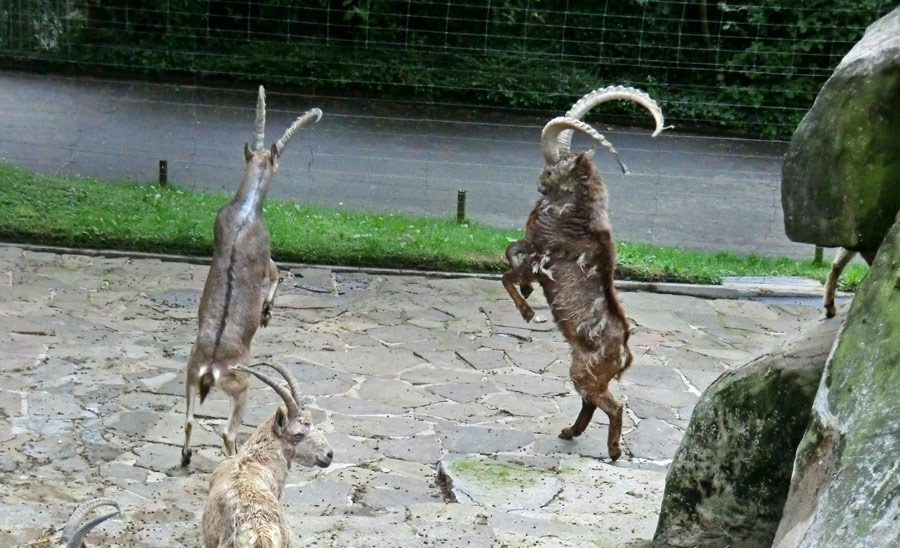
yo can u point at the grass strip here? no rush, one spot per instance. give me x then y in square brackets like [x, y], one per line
[86, 213]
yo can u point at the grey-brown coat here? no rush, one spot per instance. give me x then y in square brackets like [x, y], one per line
[240, 287]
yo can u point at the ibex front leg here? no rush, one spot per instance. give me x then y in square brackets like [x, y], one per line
[517, 281]
[274, 279]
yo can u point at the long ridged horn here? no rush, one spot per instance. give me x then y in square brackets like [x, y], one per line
[259, 127]
[73, 535]
[551, 132]
[292, 407]
[288, 376]
[611, 93]
[298, 123]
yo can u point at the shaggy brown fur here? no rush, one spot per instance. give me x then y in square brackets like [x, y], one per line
[569, 250]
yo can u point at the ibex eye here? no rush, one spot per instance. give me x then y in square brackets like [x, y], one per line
[299, 436]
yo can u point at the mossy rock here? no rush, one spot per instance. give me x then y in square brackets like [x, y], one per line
[840, 182]
[730, 476]
[846, 486]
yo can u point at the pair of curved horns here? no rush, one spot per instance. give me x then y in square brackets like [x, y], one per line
[555, 142]
[291, 398]
[75, 531]
[259, 127]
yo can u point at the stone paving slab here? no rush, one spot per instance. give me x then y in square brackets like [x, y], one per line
[405, 374]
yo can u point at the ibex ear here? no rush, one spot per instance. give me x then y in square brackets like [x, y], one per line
[582, 164]
[273, 153]
[280, 422]
[247, 153]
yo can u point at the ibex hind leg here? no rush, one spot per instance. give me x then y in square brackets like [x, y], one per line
[238, 404]
[614, 410]
[188, 424]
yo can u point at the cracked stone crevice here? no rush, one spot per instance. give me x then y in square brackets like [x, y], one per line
[444, 484]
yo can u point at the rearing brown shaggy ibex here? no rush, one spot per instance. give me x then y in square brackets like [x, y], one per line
[569, 249]
[240, 286]
[243, 509]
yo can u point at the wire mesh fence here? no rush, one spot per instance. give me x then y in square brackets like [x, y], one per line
[752, 66]
[423, 98]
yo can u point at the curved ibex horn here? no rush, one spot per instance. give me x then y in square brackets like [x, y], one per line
[288, 376]
[259, 128]
[551, 132]
[292, 407]
[611, 93]
[73, 535]
[298, 123]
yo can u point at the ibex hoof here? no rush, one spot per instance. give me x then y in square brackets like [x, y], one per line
[265, 317]
[830, 311]
[526, 290]
[615, 453]
[567, 433]
[528, 314]
[185, 458]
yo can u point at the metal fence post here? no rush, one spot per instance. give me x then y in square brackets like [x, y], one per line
[163, 173]
[461, 206]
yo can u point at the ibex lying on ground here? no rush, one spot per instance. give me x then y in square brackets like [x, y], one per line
[75, 531]
[243, 509]
[569, 249]
[841, 260]
[240, 286]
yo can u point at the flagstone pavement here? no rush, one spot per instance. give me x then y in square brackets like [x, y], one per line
[441, 404]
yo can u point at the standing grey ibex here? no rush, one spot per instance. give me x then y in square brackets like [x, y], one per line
[569, 250]
[240, 286]
[76, 528]
[243, 509]
[841, 259]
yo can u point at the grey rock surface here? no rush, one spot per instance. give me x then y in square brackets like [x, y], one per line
[845, 490]
[840, 182]
[91, 402]
[729, 479]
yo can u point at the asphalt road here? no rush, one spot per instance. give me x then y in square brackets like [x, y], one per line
[686, 190]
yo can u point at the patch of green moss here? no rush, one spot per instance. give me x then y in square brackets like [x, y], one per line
[496, 473]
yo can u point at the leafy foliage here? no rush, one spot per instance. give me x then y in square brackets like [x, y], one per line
[753, 67]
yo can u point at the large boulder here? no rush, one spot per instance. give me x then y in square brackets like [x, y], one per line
[840, 183]
[729, 480]
[845, 491]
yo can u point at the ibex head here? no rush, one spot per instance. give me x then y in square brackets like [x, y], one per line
[75, 531]
[260, 155]
[556, 138]
[292, 425]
